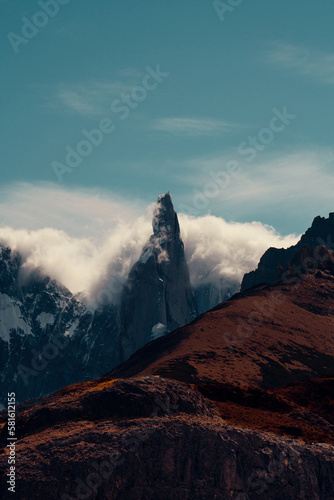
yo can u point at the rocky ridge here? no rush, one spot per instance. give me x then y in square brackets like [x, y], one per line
[275, 260]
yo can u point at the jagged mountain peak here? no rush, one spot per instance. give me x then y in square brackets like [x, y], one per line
[160, 277]
[165, 199]
[165, 221]
[269, 270]
[322, 228]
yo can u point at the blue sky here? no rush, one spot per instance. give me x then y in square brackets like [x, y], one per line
[227, 75]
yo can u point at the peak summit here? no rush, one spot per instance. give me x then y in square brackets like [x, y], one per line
[322, 228]
[165, 218]
[321, 232]
[165, 199]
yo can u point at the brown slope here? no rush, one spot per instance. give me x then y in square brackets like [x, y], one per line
[302, 410]
[265, 337]
[149, 438]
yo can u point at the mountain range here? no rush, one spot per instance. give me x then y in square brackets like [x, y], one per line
[234, 403]
[50, 338]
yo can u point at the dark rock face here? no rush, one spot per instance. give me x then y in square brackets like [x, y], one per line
[157, 297]
[320, 233]
[268, 268]
[31, 312]
[162, 440]
[272, 262]
[9, 268]
[210, 295]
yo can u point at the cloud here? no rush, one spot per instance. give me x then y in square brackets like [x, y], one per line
[81, 212]
[91, 99]
[79, 263]
[221, 252]
[192, 126]
[298, 183]
[71, 235]
[304, 61]
[292, 180]
[85, 256]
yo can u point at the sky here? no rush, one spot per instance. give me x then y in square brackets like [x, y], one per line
[106, 105]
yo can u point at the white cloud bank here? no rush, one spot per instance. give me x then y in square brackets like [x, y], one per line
[215, 249]
[219, 250]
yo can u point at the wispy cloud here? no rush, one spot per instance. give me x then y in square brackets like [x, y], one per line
[299, 183]
[192, 126]
[312, 63]
[294, 179]
[81, 212]
[92, 98]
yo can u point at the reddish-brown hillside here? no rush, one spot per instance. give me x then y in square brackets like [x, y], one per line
[149, 438]
[265, 337]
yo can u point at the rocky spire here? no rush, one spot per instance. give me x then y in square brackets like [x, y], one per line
[157, 297]
[165, 220]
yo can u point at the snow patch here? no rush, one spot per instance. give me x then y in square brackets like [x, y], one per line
[11, 318]
[45, 319]
[71, 330]
[146, 255]
[158, 330]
